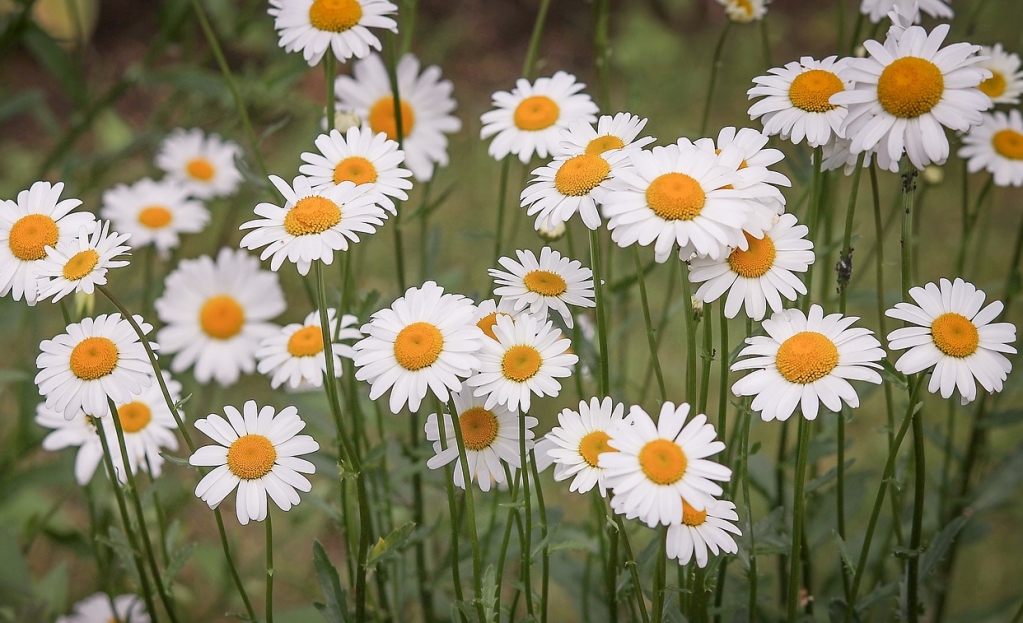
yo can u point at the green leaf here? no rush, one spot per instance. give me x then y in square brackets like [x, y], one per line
[335, 610]
[52, 589]
[56, 60]
[1001, 483]
[177, 561]
[843, 552]
[15, 585]
[936, 551]
[391, 544]
[826, 477]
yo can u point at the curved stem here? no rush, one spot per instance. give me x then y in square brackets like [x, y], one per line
[630, 562]
[650, 338]
[231, 567]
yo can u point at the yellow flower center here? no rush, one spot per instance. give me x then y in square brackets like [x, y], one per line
[691, 516]
[200, 169]
[94, 357]
[520, 363]
[134, 416]
[756, 260]
[312, 215]
[593, 445]
[993, 86]
[31, 235]
[1008, 143]
[581, 174]
[663, 461]
[806, 357]
[418, 345]
[811, 90]
[221, 317]
[479, 428]
[355, 169]
[955, 335]
[537, 112]
[335, 15]
[745, 5]
[545, 283]
[155, 217]
[381, 118]
[80, 264]
[676, 197]
[306, 342]
[910, 86]
[603, 143]
[251, 457]
[487, 324]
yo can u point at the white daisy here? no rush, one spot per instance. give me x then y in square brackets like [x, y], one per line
[702, 530]
[97, 609]
[79, 264]
[997, 146]
[617, 132]
[807, 360]
[154, 213]
[954, 335]
[78, 432]
[360, 157]
[257, 452]
[553, 282]
[313, 224]
[526, 359]
[96, 359]
[38, 219]
[491, 438]
[744, 11]
[657, 465]
[1006, 82]
[217, 313]
[487, 312]
[295, 354]
[426, 340]
[796, 100]
[752, 175]
[426, 107]
[531, 117]
[876, 10]
[203, 163]
[313, 26]
[579, 440]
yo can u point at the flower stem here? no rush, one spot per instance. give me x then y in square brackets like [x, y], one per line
[545, 562]
[690, 338]
[708, 359]
[802, 448]
[747, 417]
[231, 567]
[502, 200]
[505, 540]
[602, 9]
[449, 486]
[269, 568]
[812, 218]
[919, 491]
[419, 516]
[330, 72]
[392, 75]
[598, 289]
[534, 39]
[527, 543]
[630, 562]
[650, 338]
[714, 66]
[477, 574]
[660, 558]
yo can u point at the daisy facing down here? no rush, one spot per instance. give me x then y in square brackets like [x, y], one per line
[553, 282]
[579, 440]
[342, 26]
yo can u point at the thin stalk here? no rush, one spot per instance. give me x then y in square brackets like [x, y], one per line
[630, 562]
[269, 568]
[477, 576]
[690, 337]
[534, 39]
[908, 188]
[765, 43]
[747, 417]
[723, 375]
[231, 567]
[1016, 618]
[602, 10]
[392, 75]
[714, 67]
[802, 448]
[330, 72]
[857, 29]
[598, 289]
[812, 218]
[419, 516]
[449, 486]
[919, 491]
[657, 612]
[505, 540]
[708, 358]
[527, 543]
[502, 200]
[545, 561]
[650, 338]
[610, 562]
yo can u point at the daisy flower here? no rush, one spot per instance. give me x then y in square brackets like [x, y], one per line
[617, 132]
[257, 452]
[954, 335]
[79, 264]
[526, 359]
[38, 219]
[313, 224]
[806, 361]
[487, 312]
[997, 146]
[760, 275]
[97, 609]
[797, 100]
[531, 117]
[426, 107]
[203, 163]
[656, 465]
[491, 438]
[876, 10]
[313, 26]
[579, 440]
[97, 359]
[1006, 82]
[907, 90]
[699, 531]
[360, 157]
[154, 213]
[78, 432]
[553, 282]
[424, 341]
[216, 313]
[752, 174]
[295, 354]
[744, 11]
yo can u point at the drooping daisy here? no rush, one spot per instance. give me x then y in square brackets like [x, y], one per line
[1006, 82]
[656, 465]
[760, 275]
[797, 100]
[906, 90]
[530, 118]
[217, 313]
[295, 354]
[487, 312]
[579, 440]
[997, 146]
[526, 359]
[155, 213]
[257, 452]
[553, 282]
[97, 609]
[313, 224]
[876, 10]
[806, 361]
[426, 340]
[79, 264]
[313, 26]
[699, 531]
[617, 132]
[491, 437]
[360, 157]
[426, 107]
[954, 335]
[38, 219]
[744, 11]
[96, 359]
[204, 163]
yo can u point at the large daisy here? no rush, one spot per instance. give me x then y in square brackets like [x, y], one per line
[797, 100]
[295, 354]
[203, 163]
[155, 213]
[97, 609]
[997, 146]
[79, 264]
[552, 282]
[579, 440]
[314, 26]
[699, 531]
[1006, 82]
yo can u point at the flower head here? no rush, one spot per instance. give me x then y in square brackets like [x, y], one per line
[155, 213]
[744, 11]
[797, 100]
[700, 531]
[996, 145]
[295, 355]
[314, 26]
[553, 282]
[203, 163]
[580, 438]
[876, 10]
[1006, 82]
[79, 264]
[97, 609]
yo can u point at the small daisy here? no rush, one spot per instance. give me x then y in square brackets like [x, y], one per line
[1006, 82]
[487, 312]
[97, 609]
[97, 359]
[954, 335]
[79, 264]
[997, 146]
[760, 275]
[744, 11]
[580, 439]
[203, 163]
[313, 26]
[796, 100]
[313, 224]
[702, 530]
[78, 432]
[806, 361]
[295, 354]
[426, 107]
[257, 452]
[531, 117]
[752, 175]
[216, 313]
[553, 282]
[491, 438]
[656, 465]
[360, 157]
[38, 219]
[617, 132]
[526, 359]
[876, 10]
[154, 213]
[426, 340]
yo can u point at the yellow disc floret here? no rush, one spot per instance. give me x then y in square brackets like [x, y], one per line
[81, 264]
[520, 363]
[603, 143]
[1008, 143]
[381, 118]
[993, 86]
[134, 416]
[335, 15]
[312, 215]
[418, 345]
[200, 169]
[581, 174]
[251, 457]
[676, 197]
[812, 90]
[806, 357]
[663, 461]
[487, 324]
[537, 112]
[755, 261]
[691, 516]
[955, 335]
[94, 357]
[306, 342]
[545, 283]
[355, 169]
[30, 236]
[593, 445]
[221, 317]
[479, 428]
[155, 217]
[910, 86]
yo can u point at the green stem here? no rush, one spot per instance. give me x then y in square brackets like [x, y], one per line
[919, 491]
[630, 562]
[723, 376]
[598, 289]
[419, 516]
[657, 612]
[747, 417]
[505, 540]
[269, 567]
[231, 567]
[602, 9]
[765, 42]
[650, 338]
[545, 562]
[714, 67]
[502, 200]
[534, 39]
[708, 359]
[908, 188]
[527, 543]
[470, 506]
[392, 75]
[812, 218]
[802, 448]
[690, 337]
[449, 486]
[330, 72]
